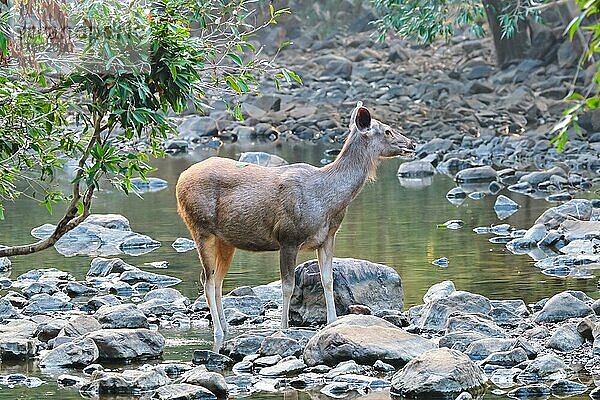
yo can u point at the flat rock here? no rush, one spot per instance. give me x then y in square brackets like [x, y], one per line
[128, 344]
[183, 391]
[79, 352]
[353, 337]
[121, 316]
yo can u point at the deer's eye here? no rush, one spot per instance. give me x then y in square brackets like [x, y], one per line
[388, 132]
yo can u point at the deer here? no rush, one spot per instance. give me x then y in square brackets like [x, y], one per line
[227, 205]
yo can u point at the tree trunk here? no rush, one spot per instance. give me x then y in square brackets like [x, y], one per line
[508, 49]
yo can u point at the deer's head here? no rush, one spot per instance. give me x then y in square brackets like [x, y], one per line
[387, 141]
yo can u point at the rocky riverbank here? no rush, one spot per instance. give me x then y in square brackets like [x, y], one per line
[455, 343]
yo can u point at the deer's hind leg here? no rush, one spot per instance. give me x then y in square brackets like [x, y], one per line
[207, 249]
[224, 256]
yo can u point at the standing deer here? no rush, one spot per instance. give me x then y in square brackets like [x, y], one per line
[227, 205]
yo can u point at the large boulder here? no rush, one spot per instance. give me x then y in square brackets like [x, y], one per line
[78, 352]
[121, 316]
[438, 373]
[364, 339]
[376, 286]
[128, 344]
[580, 209]
[436, 312]
[563, 306]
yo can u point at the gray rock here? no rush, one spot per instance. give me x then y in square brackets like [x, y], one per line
[542, 368]
[182, 245]
[474, 323]
[212, 360]
[261, 158]
[345, 367]
[80, 326]
[281, 345]
[267, 361]
[438, 373]
[537, 177]
[566, 339]
[121, 316]
[435, 314]
[508, 358]
[183, 391]
[416, 169]
[137, 275]
[76, 289]
[373, 285]
[353, 337]
[285, 367]
[43, 303]
[101, 267]
[7, 311]
[434, 146]
[536, 391]
[149, 184]
[461, 340]
[249, 305]
[128, 382]
[563, 306]
[212, 381]
[476, 174]
[243, 345]
[96, 302]
[66, 380]
[566, 388]
[439, 291]
[358, 382]
[128, 344]
[482, 348]
[79, 352]
[578, 208]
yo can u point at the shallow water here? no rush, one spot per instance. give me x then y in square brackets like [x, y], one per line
[387, 223]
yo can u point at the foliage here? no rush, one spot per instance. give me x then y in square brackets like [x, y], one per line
[590, 100]
[101, 92]
[426, 20]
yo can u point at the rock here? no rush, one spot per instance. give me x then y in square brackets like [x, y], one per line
[416, 169]
[438, 373]
[482, 348]
[212, 360]
[563, 306]
[183, 391]
[357, 381]
[243, 345]
[474, 323]
[7, 311]
[212, 381]
[79, 352]
[285, 367]
[434, 146]
[537, 177]
[121, 316]
[101, 267]
[354, 282]
[66, 380]
[281, 345]
[43, 303]
[353, 338]
[249, 305]
[345, 367]
[267, 361]
[504, 205]
[261, 158]
[128, 344]
[137, 275]
[149, 184]
[76, 289]
[578, 208]
[508, 358]
[439, 291]
[566, 339]
[476, 174]
[128, 382]
[435, 313]
[460, 341]
[530, 391]
[566, 388]
[335, 67]
[544, 367]
[441, 262]
[182, 245]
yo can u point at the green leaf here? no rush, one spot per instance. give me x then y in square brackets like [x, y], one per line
[235, 58]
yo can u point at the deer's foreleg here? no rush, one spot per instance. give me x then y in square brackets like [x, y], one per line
[287, 265]
[207, 251]
[325, 257]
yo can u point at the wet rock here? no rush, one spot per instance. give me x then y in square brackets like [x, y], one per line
[531, 238]
[128, 382]
[96, 302]
[509, 358]
[566, 388]
[212, 360]
[579, 209]
[345, 367]
[416, 169]
[128, 344]
[456, 193]
[563, 306]
[7, 311]
[212, 381]
[67, 380]
[544, 367]
[441, 262]
[474, 323]
[267, 361]
[43, 303]
[137, 275]
[357, 381]
[149, 184]
[537, 177]
[352, 337]
[439, 291]
[182, 245]
[476, 174]
[261, 158]
[281, 345]
[76, 289]
[249, 305]
[460, 341]
[243, 345]
[566, 339]
[505, 207]
[101, 267]
[373, 285]
[40, 287]
[287, 366]
[504, 377]
[530, 391]
[581, 246]
[121, 316]
[438, 373]
[79, 352]
[381, 366]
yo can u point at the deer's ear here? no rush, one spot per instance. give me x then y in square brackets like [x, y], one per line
[362, 118]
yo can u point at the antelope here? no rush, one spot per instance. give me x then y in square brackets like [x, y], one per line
[227, 205]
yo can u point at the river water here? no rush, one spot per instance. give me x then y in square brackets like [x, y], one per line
[387, 223]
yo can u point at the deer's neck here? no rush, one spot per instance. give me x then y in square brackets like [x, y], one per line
[354, 166]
